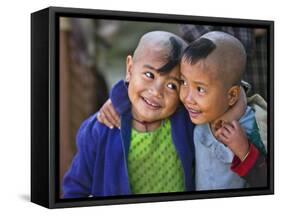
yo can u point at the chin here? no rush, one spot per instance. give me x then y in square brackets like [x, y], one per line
[148, 118]
[198, 121]
[144, 116]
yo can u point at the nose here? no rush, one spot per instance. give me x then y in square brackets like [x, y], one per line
[187, 97]
[157, 89]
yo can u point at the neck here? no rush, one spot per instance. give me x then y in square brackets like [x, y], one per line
[144, 126]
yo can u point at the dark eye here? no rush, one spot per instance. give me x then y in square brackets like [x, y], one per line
[201, 90]
[183, 82]
[172, 86]
[149, 75]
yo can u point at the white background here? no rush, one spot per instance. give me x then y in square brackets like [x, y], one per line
[15, 107]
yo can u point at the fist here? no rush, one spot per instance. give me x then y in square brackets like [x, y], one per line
[234, 137]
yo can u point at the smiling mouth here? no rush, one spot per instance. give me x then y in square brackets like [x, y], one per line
[152, 104]
[193, 113]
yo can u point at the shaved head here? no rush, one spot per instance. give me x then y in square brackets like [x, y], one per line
[166, 47]
[221, 50]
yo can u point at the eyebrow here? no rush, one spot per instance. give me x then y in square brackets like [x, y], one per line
[196, 82]
[170, 77]
[150, 67]
[200, 83]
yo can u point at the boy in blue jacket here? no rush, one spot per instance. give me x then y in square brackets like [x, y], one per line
[149, 153]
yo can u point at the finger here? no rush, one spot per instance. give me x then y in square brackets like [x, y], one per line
[113, 114]
[106, 114]
[218, 132]
[228, 127]
[225, 132]
[104, 120]
[109, 116]
[222, 138]
[222, 132]
[235, 124]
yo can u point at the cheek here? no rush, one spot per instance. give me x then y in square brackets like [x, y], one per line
[182, 94]
[214, 106]
[172, 103]
[131, 96]
[135, 84]
[132, 91]
[205, 104]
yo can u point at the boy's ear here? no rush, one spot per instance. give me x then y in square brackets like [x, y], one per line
[129, 66]
[233, 95]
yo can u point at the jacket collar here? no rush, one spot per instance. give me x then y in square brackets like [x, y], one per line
[119, 97]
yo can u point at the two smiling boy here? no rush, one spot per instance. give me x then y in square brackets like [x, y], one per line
[153, 151]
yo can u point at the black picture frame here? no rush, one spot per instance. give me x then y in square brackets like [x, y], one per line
[45, 105]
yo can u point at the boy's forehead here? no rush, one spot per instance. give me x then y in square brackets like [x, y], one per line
[205, 71]
[152, 54]
[153, 46]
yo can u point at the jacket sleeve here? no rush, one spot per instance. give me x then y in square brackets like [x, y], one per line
[119, 97]
[77, 181]
[253, 169]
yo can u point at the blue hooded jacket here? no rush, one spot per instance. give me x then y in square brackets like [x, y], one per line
[99, 167]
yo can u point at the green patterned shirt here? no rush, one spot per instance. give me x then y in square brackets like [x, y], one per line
[153, 163]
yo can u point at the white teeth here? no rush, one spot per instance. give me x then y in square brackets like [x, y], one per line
[194, 111]
[150, 103]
